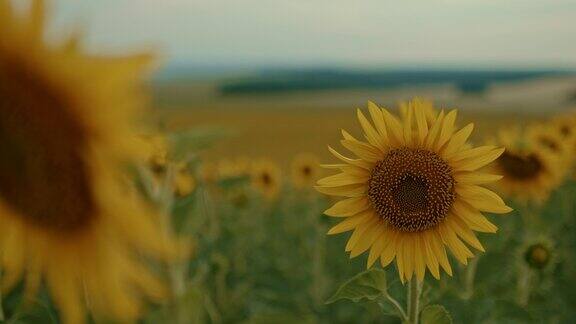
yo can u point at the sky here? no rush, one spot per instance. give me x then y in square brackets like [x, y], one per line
[361, 33]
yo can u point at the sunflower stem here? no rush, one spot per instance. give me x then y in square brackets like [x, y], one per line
[396, 305]
[524, 287]
[414, 289]
[469, 277]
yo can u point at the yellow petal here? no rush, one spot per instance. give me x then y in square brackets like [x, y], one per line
[482, 199]
[371, 134]
[434, 131]
[351, 223]
[355, 190]
[359, 163]
[408, 135]
[342, 179]
[431, 260]
[368, 238]
[421, 125]
[348, 207]
[458, 249]
[363, 150]
[408, 256]
[464, 232]
[378, 118]
[458, 140]
[394, 128]
[447, 129]
[378, 247]
[440, 252]
[473, 153]
[475, 163]
[358, 232]
[475, 178]
[400, 257]
[419, 263]
[389, 251]
[473, 218]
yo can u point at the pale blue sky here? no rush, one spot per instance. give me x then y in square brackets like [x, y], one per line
[504, 33]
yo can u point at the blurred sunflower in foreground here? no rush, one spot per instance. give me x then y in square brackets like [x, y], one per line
[531, 169]
[266, 178]
[67, 217]
[305, 170]
[409, 197]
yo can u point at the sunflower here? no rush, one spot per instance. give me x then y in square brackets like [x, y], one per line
[538, 256]
[305, 170]
[565, 124]
[67, 217]
[233, 168]
[266, 178]
[537, 259]
[158, 155]
[409, 198]
[184, 182]
[530, 171]
[208, 172]
[551, 140]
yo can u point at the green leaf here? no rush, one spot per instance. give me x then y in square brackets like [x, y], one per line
[369, 285]
[435, 314]
[192, 140]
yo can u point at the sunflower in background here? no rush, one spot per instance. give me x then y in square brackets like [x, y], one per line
[408, 198]
[551, 139]
[565, 124]
[538, 254]
[184, 181]
[530, 170]
[67, 217]
[208, 172]
[158, 155]
[266, 178]
[536, 258]
[305, 170]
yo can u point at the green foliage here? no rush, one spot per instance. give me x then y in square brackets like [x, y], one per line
[435, 314]
[369, 285]
[184, 142]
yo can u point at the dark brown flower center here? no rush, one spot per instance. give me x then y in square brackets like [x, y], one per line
[537, 256]
[520, 167]
[306, 171]
[412, 189]
[266, 179]
[43, 174]
[565, 130]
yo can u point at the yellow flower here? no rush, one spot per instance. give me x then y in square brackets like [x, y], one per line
[565, 124]
[409, 198]
[305, 170]
[233, 167]
[158, 155]
[530, 170]
[184, 182]
[67, 218]
[551, 140]
[208, 172]
[266, 178]
[538, 254]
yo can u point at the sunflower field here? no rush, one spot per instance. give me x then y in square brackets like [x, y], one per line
[126, 198]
